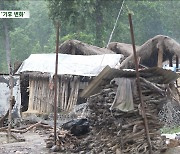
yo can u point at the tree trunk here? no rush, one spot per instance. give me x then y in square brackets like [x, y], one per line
[7, 45]
[8, 58]
[99, 23]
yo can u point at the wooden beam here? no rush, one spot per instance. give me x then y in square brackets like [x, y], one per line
[160, 57]
[177, 62]
[93, 86]
[170, 61]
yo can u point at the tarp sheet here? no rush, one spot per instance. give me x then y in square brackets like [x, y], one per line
[5, 95]
[124, 97]
[82, 65]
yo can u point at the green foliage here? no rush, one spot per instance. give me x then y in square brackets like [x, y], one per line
[87, 38]
[28, 35]
[90, 21]
[166, 130]
[20, 44]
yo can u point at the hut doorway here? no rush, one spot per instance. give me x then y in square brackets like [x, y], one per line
[24, 82]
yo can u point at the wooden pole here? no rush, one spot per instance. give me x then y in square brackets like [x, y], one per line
[160, 57]
[170, 61]
[55, 83]
[139, 86]
[177, 63]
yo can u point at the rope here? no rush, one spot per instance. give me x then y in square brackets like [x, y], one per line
[115, 23]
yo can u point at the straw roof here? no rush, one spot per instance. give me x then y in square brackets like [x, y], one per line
[148, 52]
[76, 47]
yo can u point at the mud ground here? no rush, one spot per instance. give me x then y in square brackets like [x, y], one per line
[34, 144]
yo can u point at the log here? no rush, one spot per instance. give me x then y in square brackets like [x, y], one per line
[39, 124]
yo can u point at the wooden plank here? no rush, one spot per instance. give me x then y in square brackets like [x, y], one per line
[71, 94]
[60, 92]
[66, 93]
[76, 93]
[177, 62]
[63, 91]
[31, 90]
[93, 86]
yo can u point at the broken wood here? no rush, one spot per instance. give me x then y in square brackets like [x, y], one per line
[27, 128]
[125, 128]
[152, 86]
[65, 141]
[18, 137]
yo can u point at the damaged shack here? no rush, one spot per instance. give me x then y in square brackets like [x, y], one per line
[114, 121]
[115, 113]
[74, 74]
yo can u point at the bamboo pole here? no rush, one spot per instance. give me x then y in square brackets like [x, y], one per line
[71, 94]
[76, 92]
[55, 83]
[66, 92]
[139, 86]
[63, 91]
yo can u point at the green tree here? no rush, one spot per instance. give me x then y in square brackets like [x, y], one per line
[85, 16]
[7, 24]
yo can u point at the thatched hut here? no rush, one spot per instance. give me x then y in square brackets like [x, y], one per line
[75, 47]
[154, 52]
[121, 48]
[74, 74]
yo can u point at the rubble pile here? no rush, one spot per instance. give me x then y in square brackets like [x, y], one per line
[65, 141]
[115, 131]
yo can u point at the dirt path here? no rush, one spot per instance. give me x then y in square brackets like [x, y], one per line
[175, 150]
[34, 144]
